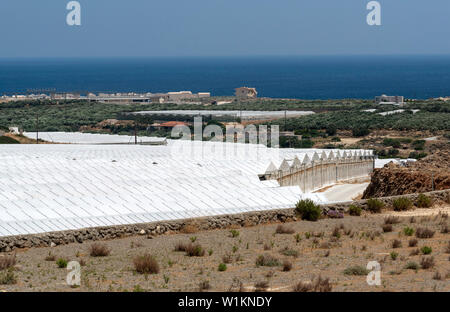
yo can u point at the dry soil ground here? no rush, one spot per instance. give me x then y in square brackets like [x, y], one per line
[357, 241]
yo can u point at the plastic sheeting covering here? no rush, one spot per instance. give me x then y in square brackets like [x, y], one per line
[61, 187]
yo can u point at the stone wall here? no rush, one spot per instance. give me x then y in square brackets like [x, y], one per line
[10, 243]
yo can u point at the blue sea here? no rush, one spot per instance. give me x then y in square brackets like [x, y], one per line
[312, 77]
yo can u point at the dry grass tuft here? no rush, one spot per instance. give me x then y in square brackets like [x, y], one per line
[424, 233]
[391, 220]
[387, 228]
[287, 266]
[283, 229]
[195, 250]
[412, 242]
[267, 260]
[396, 243]
[227, 258]
[437, 276]
[7, 261]
[204, 285]
[180, 246]
[99, 250]
[427, 262]
[447, 249]
[261, 286]
[50, 257]
[189, 229]
[318, 285]
[146, 264]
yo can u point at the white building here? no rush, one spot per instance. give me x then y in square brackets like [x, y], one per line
[386, 99]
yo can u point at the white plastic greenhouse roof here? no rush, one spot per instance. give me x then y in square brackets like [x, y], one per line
[91, 138]
[244, 114]
[60, 187]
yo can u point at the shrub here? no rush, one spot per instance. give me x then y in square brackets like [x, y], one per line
[412, 242]
[282, 229]
[7, 262]
[437, 276]
[391, 220]
[360, 131]
[447, 249]
[412, 266]
[423, 201]
[50, 257]
[354, 210]
[374, 205]
[402, 204]
[146, 264]
[318, 285]
[261, 286]
[204, 285]
[267, 260]
[445, 229]
[180, 246]
[234, 233]
[287, 266]
[61, 263]
[408, 231]
[336, 232]
[356, 270]
[394, 255]
[195, 250]
[387, 228]
[289, 252]
[189, 229]
[427, 262]
[333, 214]
[308, 210]
[222, 267]
[227, 258]
[396, 243]
[298, 238]
[414, 252]
[417, 155]
[99, 250]
[424, 233]
[426, 250]
[7, 278]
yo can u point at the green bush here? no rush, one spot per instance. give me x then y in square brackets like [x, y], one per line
[61, 263]
[417, 155]
[374, 205]
[8, 277]
[408, 231]
[360, 131]
[426, 250]
[412, 266]
[308, 210]
[267, 260]
[356, 270]
[402, 204]
[222, 267]
[234, 233]
[354, 210]
[394, 255]
[423, 201]
[418, 145]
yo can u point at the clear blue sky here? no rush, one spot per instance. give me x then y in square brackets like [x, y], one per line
[37, 28]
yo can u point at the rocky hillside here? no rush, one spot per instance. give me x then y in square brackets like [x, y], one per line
[418, 177]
